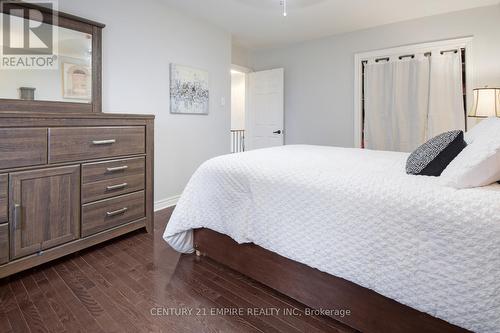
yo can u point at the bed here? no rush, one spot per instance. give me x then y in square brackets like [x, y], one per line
[398, 250]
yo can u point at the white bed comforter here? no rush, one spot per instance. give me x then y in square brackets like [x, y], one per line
[356, 214]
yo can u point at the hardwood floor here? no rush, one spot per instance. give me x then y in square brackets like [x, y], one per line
[136, 283]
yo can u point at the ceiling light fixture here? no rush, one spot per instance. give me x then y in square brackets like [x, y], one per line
[283, 4]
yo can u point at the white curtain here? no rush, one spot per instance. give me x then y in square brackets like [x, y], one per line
[408, 101]
[396, 103]
[446, 100]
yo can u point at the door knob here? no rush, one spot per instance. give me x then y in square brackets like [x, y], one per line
[277, 132]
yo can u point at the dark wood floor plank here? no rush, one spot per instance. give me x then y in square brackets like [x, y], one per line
[87, 283]
[125, 283]
[161, 260]
[4, 324]
[71, 300]
[212, 299]
[168, 322]
[124, 262]
[162, 296]
[143, 323]
[28, 309]
[124, 253]
[222, 302]
[114, 311]
[109, 306]
[89, 302]
[179, 297]
[65, 316]
[123, 275]
[11, 310]
[117, 286]
[4, 307]
[112, 277]
[204, 303]
[47, 314]
[186, 296]
[191, 300]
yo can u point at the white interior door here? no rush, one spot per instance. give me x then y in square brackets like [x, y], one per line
[265, 111]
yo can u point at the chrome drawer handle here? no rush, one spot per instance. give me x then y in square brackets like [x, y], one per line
[103, 142]
[120, 168]
[116, 187]
[117, 212]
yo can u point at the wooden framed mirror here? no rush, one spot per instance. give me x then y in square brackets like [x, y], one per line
[50, 61]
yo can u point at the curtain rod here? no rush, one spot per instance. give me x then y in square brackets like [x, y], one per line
[427, 54]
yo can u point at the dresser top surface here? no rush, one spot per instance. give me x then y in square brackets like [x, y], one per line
[67, 115]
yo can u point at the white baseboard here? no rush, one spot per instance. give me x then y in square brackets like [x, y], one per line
[165, 203]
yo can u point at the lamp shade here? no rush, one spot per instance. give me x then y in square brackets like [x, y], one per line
[486, 103]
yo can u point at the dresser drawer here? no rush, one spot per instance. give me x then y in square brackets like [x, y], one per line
[4, 201]
[110, 188]
[105, 214]
[85, 143]
[94, 172]
[22, 147]
[4, 243]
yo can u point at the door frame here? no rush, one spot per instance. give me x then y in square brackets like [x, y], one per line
[465, 42]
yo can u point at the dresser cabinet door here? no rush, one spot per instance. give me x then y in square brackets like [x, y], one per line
[44, 209]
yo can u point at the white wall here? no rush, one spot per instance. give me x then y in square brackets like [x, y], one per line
[141, 38]
[240, 56]
[238, 100]
[319, 74]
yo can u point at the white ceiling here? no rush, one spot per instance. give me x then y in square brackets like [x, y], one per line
[259, 23]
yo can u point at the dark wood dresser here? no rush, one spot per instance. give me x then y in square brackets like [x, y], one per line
[69, 181]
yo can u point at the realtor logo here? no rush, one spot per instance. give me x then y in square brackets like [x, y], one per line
[28, 35]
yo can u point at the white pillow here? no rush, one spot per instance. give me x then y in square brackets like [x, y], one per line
[489, 126]
[477, 165]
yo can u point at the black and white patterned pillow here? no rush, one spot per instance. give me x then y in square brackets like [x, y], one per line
[431, 158]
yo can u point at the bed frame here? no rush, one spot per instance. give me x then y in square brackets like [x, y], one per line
[369, 311]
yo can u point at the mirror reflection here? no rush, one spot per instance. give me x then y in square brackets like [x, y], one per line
[64, 75]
